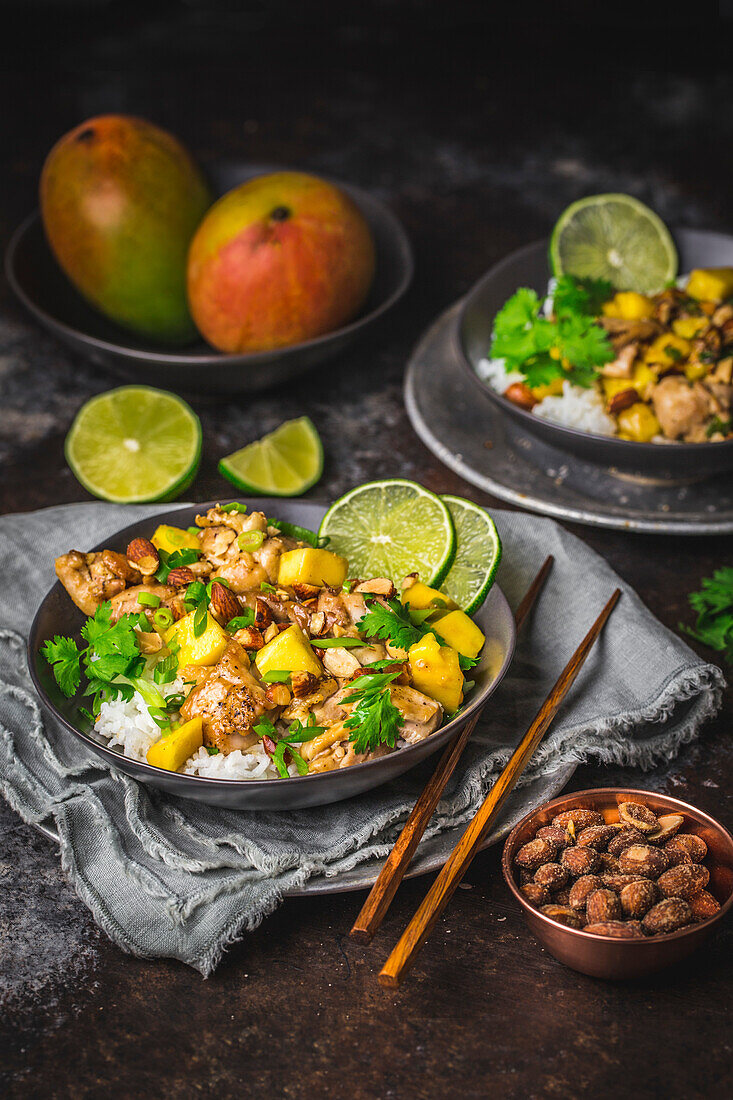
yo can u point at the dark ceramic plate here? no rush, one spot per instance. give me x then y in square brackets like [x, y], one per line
[42, 287]
[529, 267]
[58, 615]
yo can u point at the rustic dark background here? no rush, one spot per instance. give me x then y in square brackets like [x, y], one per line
[477, 126]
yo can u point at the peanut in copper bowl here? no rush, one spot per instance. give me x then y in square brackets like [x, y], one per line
[601, 956]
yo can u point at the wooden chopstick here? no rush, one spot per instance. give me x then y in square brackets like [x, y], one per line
[384, 889]
[437, 897]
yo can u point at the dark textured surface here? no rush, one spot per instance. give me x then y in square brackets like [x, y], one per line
[477, 133]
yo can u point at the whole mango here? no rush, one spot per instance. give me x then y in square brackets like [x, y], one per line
[120, 201]
[280, 259]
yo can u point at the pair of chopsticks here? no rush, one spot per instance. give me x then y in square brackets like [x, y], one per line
[437, 897]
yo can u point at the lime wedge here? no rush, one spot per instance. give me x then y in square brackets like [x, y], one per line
[614, 237]
[282, 464]
[134, 444]
[392, 528]
[478, 553]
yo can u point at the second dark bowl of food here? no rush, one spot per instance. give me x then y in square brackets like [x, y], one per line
[602, 956]
[529, 267]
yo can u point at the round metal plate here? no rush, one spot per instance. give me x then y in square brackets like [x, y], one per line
[433, 851]
[468, 434]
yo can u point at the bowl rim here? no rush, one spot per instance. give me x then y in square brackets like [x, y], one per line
[637, 942]
[113, 755]
[213, 357]
[510, 409]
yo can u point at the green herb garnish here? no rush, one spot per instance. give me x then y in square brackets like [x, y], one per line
[714, 605]
[391, 624]
[277, 676]
[249, 541]
[375, 720]
[235, 506]
[239, 622]
[719, 425]
[302, 534]
[340, 643]
[174, 561]
[537, 345]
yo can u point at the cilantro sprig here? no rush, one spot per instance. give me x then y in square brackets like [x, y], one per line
[113, 665]
[375, 720]
[391, 623]
[538, 346]
[714, 605]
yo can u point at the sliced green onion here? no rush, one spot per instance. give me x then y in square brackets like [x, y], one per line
[338, 643]
[303, 534]
[265, 728]
[235, 506]
[239, 622]
[212, 750]
[276, 676]
[148, 599]
[250, 541]
[175, 702]
[265, 587]
[216, 580]
[200, 620]
[194, 531]
[163, 618]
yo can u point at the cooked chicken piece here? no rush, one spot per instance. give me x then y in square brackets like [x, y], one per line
[623, 332]
[340, 662]
[723, 314]
[669, 304]
[126, 603]
[680, 408]
[368, 654]
[623, 365]
[229, 700]
[315, 703]
[341, 609]
[90, 579]
[421, 715]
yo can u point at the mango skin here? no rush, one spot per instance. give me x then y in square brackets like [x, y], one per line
[120, 201]
[279, 260]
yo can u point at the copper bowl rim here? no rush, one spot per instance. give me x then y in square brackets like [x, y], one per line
[599, 792]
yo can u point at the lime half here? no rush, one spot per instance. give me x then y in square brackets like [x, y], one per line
[614, 237]
[282, 464]
[134, 444]
[478, 553]
[392, 528]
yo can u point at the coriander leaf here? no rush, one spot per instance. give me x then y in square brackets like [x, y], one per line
[375, 720]
[714, 605]
[391, 624]
[542, 370]
[212, 750]
[466, 663]
[63, 656]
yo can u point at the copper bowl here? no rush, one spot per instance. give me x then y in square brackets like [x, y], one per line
[601, 956]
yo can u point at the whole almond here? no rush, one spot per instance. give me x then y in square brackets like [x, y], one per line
[142, 555]
[181, 577]
[596, 836]
[617, 929]
[555, 835]
[666, 916]
[224, 603]
[695, 846]
[563, 915]
[250, 637]
[533, 854]
[581, 890]
[642, 859]
[536, 894]
[580, 818]
[580, 861]
[703, 905]
[624, 838]
[603, 905]
[637, 898]
[552, 875]
[684, 880]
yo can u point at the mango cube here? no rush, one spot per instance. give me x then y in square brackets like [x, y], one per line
[629, 306]
[460, 633]
[174, 538]
[289, 651]
[638, 423]
[174, 748]
[667, 350]
[420, 596]
[311, 566]
[710, 283]
[688, 327]
[436, 672]
[204, 650]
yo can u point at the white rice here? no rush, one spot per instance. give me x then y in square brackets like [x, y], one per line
[130, 728]
[577, 408]
[495, 373]
[252, 764]
[129, 725]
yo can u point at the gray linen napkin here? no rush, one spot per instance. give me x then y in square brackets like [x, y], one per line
[166, 877]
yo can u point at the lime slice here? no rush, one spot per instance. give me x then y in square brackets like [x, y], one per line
[282, 464]
[478, 553]
[614, 237]
[392, 528]
[134, 444]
